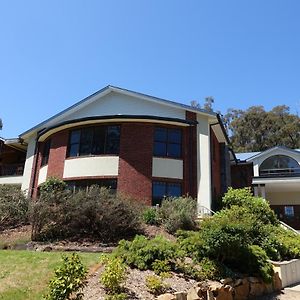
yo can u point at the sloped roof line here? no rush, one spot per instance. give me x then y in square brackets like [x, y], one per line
[271, 150]
[109, 88]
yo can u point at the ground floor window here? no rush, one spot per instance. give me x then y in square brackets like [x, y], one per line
[289, 211]
[161, 189]
[85, 184]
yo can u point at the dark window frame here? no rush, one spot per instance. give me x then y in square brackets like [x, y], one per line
[167, 185]
[94, 142]
[167, 142]
[46, 152]
[85, 184]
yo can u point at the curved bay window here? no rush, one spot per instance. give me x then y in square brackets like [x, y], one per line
[279, 165]
[94, 141]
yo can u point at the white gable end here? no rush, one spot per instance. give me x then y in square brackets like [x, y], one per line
[118, 104]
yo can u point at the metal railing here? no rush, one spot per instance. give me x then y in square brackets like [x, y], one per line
[204, 211]
[282, 172]
[12, 170]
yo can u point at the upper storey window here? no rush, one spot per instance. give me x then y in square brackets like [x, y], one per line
[46, 152]
[279, 165]
[167, 142]
[94, 141]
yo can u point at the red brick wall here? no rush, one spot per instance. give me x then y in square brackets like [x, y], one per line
[135, 164]
[293, 222]
[215, 165]
[189, 145]
[57, 155]
[241, 175]
[36, 168]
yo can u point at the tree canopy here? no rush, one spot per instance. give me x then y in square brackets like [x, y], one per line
[256, 129]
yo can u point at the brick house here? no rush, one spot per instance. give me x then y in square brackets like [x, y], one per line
[139, 145]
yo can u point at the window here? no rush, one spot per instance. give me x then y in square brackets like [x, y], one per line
[289, 211]
[162, 189]
[86, 184]
[280, 165]
[94, 141]
[167, 142]
[46, 151]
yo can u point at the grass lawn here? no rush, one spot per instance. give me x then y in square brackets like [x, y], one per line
[24, 275]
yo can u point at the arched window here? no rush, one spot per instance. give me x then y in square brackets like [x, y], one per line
[279, 165]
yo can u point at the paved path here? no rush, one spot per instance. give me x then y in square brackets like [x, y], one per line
[289, 293]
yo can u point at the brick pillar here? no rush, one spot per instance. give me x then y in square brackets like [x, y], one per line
[57, 155]
[36, 170]
[135, 164]
[190, 157]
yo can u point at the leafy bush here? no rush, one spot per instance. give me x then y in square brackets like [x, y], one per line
[96, 214]
[52, 185]
[178, 213]
[141, 253]
[69, 280]
[259, 207]
[150, 216]
[161, 267]
[155, 284]
[120, 296]
[13, 207]
[113, 276]
[256, 262]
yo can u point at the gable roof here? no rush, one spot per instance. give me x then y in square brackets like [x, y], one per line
[249, 156]
[106, 90]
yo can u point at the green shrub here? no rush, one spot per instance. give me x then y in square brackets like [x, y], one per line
[52, 185]
[150, 216]
[259, 207]
[141, 253]
[210, 270]
[96, 214]
[69, 280]
[155, 284]
[255, 261]
[121, 296]
[113, 276]
[161, 267]
[178, 213]
[13, 207]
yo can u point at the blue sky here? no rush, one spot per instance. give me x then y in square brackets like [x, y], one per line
[54, 53]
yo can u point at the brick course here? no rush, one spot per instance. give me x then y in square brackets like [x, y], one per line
[135, 164]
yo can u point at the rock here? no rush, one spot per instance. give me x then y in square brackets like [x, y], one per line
[257, 289]
[215, 286]
[226, 281]
[253, 280]
[225, 293]
[269, 288]
[47, 249]
[180, 295]
[242, 289]
[194, 293]
[167, 296]
[277, 283]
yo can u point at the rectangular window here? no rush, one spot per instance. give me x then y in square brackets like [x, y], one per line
[86, 184]
[46, 152]
[94, 141]
[167, 142]
[161, 189]
[289, 211]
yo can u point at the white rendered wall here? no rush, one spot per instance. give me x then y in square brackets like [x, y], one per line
[91, 166]
[117, 104]
[11, 180]
[167, 168]
[28, 164]
[43, 174]
[203, 163]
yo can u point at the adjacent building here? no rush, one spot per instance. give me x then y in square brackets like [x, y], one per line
[276, 177]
